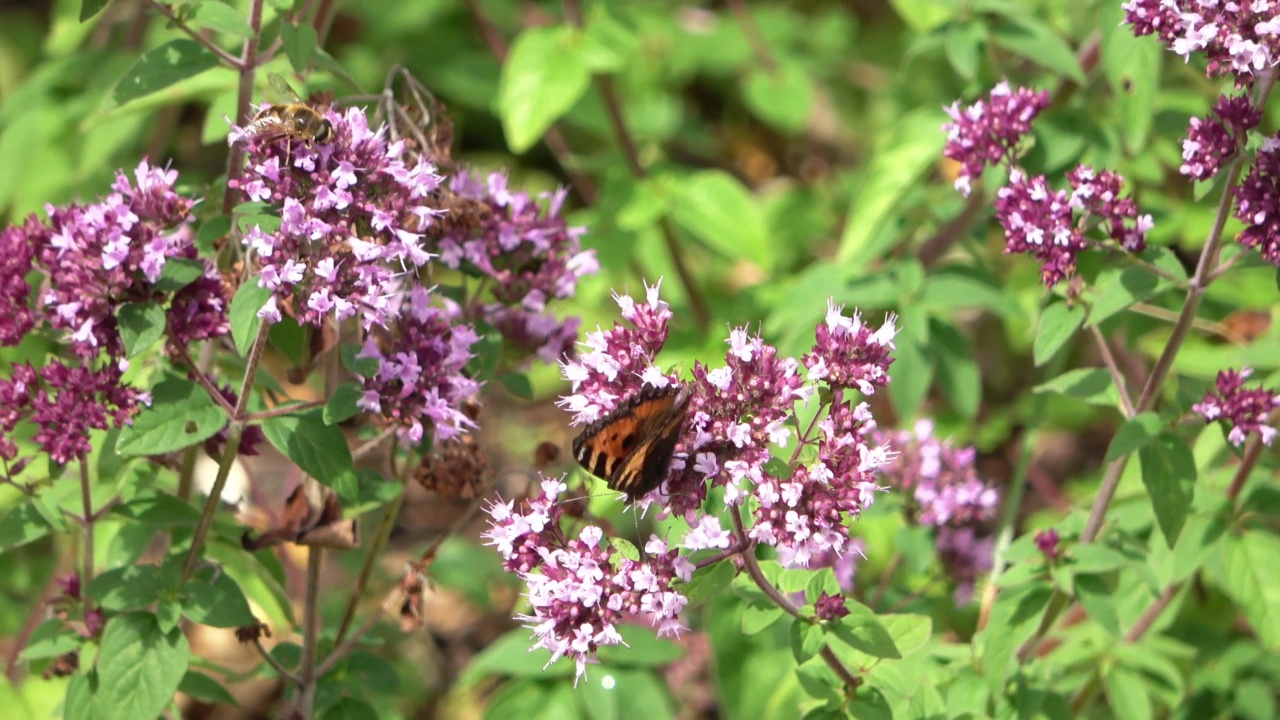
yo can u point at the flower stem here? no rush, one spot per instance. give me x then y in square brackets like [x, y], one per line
[753, 569]
[248, 65]
[310, 632]
[229, 453]
[222, 55]
[385, 525]
[86, 575]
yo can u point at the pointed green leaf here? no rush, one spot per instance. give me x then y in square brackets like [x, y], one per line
[1169, 472]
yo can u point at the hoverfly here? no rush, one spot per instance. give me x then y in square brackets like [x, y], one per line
[292, 120]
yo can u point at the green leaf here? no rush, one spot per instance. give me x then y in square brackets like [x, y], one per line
[721, 212]
[758, 617]
[342, 403]
[1096, 558]
[139, 667]
[863, 632]
[544, 75]
[80, 700]
[213, 598]
[510, 656]
[1169, 473]
[350, 708]
[157, 509]
[1119, 293]
[1058, 324]
[220, 17]
[364, 367]
[127, 588]
[1014, 618]
[181, 415]
[708, 582]
[260, 577]
[1127, 694]
[243, 314]
[517, 384]
[161, 67]
[1091, 385]
[1134, 435]
[51, 639]
[1097, 596]
[782, 95]
[89, 8]
[895, 170]
[168, 613]
[642, 648]
[24, 524]
[807, 639]
[178, 273]
[299, 44]
[643, 694]
[909, 632]
[912, 369]
[1038, 43]
[1132, 66]
[141, 326]
[963, 46]
[956, 368]
[1248, 580]
[202, 687]
[320, 450]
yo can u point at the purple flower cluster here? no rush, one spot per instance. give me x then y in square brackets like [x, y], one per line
[100, 256]
[526, 252]
[947, 494]
[1258, 202]
[1241, 37]
[95, 259]
[1044, 223]
[737, 412]
[1244, 410]
[988, 132]
[1210, 143]
[616, 363]
[353, 215]
[580, 589]
[848, 354]
[945, 486]
[65, 403]
[420, 375]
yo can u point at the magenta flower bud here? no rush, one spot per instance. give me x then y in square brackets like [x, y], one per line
[830, 607]
[1047, 543]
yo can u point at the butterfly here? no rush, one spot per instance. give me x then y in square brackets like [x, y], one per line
[631, 447]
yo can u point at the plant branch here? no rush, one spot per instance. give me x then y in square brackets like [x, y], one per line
[385, 525]
[229, 452]
[224, 56]
[752, 567]
[283, 410]
[881, 587]
[275, 664]
[86, 499]
[626, 142]
[203, 378]
[310, 633]
[582, 183]
[248, 68]
[1116, 376]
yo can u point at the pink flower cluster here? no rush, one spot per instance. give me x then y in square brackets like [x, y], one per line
[95, 259]
[99, 256]
[739, 416]
[1051, 224]
[946, 493]
[420, 376]
[1212, 142]
[579, 588]
[988, 132]
[529, 255]
[1241, 37]
[353, 215]
[1244, 410]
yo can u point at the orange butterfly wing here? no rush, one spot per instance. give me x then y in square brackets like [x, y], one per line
[631, 447]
